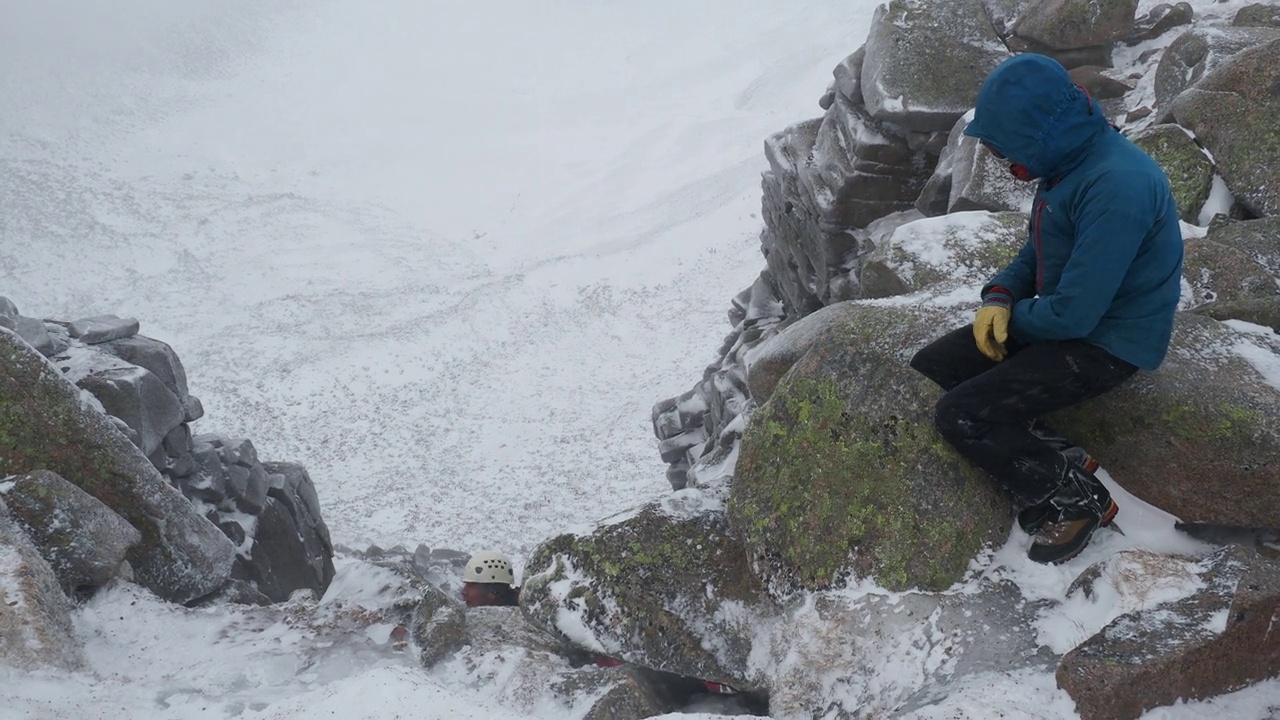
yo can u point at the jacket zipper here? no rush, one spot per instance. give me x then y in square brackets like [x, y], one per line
[1039, 249]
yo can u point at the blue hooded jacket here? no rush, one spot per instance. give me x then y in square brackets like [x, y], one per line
[1103, 257]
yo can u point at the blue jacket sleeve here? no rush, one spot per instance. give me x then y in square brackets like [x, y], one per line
[1114, 215]
[1019, 276]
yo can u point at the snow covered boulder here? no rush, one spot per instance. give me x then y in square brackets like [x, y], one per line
[1260, 239]
[968, 247]
[1197, 52]
[1190, 171]
[439, 626]
[666, 587]
[1258, 311]
[1068, 24]
[1258, 15]
[1075, 32]
[103, 328]
[160, 360]
[289, 544]
[1218, 640]
[925, 61]
[803, 254]
[47, 424]
[35, 615]
[84, 541]
[1235, 112]
[1159, 20]
[980, 181]
[536, 667]
[859, 171]
[126, 391]
[1200, 437]
[878, 655]
[1218, 272]
[842, 474]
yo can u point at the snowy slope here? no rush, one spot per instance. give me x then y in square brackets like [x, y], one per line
[446, 255]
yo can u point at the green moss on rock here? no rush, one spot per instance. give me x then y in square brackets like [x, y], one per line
[1190, 172]
[842, 472]
[667, 590]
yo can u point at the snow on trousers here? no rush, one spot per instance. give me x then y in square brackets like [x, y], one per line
[990, 412]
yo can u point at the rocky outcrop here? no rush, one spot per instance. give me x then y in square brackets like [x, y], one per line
[139, 387]
[438, 625]
[35, 615]
[980, 181]
[665, 587]
[1159, 20]
[83, 540]
[1218, 640]
[925, 61]
[1235, 113]
[47, 425]
[1197, 52]
[1190, 171]
[1258, 15]
[846, 450]
[1075, 32]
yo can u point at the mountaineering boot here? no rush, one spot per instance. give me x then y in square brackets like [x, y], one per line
[1083, 505]
[1032, 518]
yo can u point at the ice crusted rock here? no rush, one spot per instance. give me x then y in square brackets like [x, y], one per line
[181, 556]
[35, 615]
[925, 61]
[83, 541]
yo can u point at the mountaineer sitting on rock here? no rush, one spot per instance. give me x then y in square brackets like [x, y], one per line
[1087, 302]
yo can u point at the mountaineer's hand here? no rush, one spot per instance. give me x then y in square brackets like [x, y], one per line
[991, 324]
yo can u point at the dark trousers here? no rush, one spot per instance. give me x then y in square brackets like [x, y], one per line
[991, 410]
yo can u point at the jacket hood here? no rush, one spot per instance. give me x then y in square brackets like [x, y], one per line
[1031, 111]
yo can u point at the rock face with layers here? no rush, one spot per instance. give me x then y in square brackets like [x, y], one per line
[845, 450]
[45, 424]
[1218, 640]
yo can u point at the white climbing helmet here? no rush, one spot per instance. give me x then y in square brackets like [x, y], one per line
[488, 567]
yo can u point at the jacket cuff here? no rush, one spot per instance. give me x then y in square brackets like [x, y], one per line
[998, 295]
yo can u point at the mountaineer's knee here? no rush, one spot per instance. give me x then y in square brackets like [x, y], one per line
[955, 422]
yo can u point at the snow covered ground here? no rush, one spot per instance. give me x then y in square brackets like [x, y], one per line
[447, 255]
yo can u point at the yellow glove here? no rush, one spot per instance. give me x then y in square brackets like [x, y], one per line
[991, 330]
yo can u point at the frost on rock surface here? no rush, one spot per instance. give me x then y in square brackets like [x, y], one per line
[83, 540]
[925, 62]
[35, 615]
[1219, 639]
[667, 592]
[1196, 53]
[1234, 111]
[1225, 418]
[956, 249]
[181, 556]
